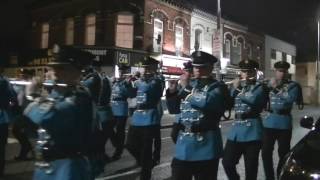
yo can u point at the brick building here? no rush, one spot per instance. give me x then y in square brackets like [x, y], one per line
[116, 31]
[239, 44]
[123, 31]
[231, 44]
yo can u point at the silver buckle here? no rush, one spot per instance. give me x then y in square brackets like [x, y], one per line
[46, 166]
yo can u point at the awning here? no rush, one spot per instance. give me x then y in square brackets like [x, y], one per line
[112, 55]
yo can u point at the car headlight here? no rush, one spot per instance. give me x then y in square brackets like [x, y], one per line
[314, 175]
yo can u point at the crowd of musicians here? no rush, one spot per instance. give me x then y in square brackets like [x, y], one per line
[76, 110]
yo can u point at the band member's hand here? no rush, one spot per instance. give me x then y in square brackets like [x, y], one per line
[273, 83]
[236, 83]
[113, 79]
[50, 75]
[184, 80]
[128, 78]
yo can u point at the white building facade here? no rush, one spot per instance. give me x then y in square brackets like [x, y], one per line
[278, 50]
[202, 28]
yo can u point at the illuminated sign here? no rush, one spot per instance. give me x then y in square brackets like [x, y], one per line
[123, 57]
[172, 70]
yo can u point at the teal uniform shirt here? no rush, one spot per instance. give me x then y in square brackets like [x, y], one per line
[121, 91]
[249, 103]
[93, 83]
[65, 122]
[202, 106]
[149, 93]
[8, 97]
[100, 90]
[281, 103]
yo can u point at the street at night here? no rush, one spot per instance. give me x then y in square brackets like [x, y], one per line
[159, 90]
[125, 168]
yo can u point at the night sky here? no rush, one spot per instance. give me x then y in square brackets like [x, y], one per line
[14, 23]
[290, 20]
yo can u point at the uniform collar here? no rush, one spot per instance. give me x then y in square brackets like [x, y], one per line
[148, 78]
[200, 83]
[61, 92]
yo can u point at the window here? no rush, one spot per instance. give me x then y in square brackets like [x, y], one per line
[239, 52]
[69, 31]
[90, 31]
[44, 35]
[249, 51]
[273, 54]
[227, 48]
[124, 32]
[290, 60]
[284, 56]
[278, 56]
[259, 52]
[198, 39]
[157, 35]
[179, 40]
[236, 54]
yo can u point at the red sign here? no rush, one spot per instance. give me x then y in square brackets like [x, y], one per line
[172, 70]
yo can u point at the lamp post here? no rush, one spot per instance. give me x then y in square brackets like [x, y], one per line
[317, 64]
[218, 35]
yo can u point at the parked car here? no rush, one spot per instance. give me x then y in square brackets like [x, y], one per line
[303, 161]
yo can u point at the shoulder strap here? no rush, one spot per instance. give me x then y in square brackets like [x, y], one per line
[299, 100]
[292, 85]
[213, 85]
[257, 86]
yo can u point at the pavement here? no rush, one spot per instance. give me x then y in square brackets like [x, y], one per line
[124, 169]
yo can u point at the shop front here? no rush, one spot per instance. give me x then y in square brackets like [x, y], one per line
[172, 66]
[111, 57]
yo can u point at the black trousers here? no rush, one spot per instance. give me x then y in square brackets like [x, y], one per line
[118, 135]
[108, 133]
[157, 145]
[140, 144]
[233, 152]
[270, 136]
[20, 130]
[3, 142]
[200, 170]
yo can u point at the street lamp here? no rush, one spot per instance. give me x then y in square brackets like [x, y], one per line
[317, 64]
[219, 34]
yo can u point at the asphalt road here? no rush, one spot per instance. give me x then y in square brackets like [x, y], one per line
[124, 168]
